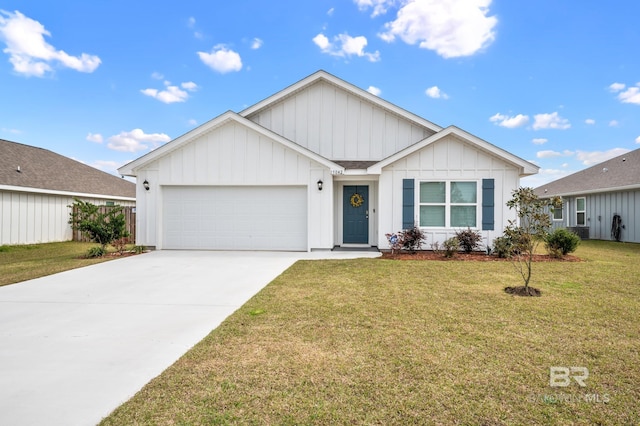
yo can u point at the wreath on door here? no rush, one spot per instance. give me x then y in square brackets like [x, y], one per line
[356, 200]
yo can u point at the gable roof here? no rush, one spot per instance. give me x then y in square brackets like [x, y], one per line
[129, 169]
[33, 168]
[619, 173]
[346, 86]
[526, 168]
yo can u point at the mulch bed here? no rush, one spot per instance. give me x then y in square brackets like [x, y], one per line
[473, 256]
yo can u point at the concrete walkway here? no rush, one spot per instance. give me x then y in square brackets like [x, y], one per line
[75, 345]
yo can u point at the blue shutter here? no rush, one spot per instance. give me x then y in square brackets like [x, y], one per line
[408, 203]
[488, 204]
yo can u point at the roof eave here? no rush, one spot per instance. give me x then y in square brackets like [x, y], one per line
[13, 188]
[591, 191]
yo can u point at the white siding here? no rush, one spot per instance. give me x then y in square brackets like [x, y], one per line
[30, 218]
[338, 125]
[233, 155]
[448, 159]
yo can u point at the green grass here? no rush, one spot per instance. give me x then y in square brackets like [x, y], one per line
[25, 262]
[375, 341]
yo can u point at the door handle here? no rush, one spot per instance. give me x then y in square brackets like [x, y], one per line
[367, 214]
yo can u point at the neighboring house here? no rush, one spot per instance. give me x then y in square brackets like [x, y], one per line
[320, 164]
[37, 186]
[593, 197]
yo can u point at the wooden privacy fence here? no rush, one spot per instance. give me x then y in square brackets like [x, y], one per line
[129, 218]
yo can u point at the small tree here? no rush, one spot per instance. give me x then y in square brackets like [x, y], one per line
[101, 227]
[528, 231]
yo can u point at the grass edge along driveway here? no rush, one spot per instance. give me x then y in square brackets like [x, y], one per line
[374, 341]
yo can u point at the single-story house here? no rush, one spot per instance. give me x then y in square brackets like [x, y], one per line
[594, 197]
[37, 186]
[317, 165]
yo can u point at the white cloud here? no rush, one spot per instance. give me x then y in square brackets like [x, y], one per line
[256, 43]
[221, 59]
[436, 93]
[595, 157]
[330, 11]
[30, 54]
[379, 7]
[638, 139]
[171, 93]
[590, 121]
[553, 154]
[550, 121]
[13, 131]
[344, 45]
[191, 22]
[544, 176]
[510, 122]
[539, 141]
[94, 137]
[616, 87]
[136, 140]
[192, 122]
[614, 123]
[157, 76]
[451, 28]
[629, 96]
[374, 90]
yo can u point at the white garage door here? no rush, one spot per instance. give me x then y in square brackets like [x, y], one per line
[235, 217]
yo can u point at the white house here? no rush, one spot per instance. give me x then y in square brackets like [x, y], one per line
[37, 186]
[317, 165]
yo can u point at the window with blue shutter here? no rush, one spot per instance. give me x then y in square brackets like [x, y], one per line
[488, 204]
[408, 203]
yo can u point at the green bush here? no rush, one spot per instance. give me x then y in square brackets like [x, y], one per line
[97, 251]
[451, 246]
[561, 242]
[469, 240]
[502, 247]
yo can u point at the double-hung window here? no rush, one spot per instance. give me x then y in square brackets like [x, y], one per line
[581, 212]
[449, 204]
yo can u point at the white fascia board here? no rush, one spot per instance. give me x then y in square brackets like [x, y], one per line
[11, 188]
[526, 168]
[323, 75]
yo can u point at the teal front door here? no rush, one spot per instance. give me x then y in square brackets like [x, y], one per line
[355, 201]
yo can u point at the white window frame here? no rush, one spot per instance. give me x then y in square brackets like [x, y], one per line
[447, 203]
[584, 212]
[558, 209]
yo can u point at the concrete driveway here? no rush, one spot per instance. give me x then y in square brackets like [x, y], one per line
[75, 345]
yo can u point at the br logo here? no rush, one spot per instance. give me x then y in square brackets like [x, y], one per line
[561, 376]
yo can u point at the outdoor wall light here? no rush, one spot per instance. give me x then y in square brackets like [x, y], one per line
[319, 184]
[146, 184]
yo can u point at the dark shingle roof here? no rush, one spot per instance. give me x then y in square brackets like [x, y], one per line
[43, 169]
[350, 165]
[619, 172]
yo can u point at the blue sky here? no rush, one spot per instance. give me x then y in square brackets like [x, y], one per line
[554, 82]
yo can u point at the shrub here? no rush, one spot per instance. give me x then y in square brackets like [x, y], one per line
[138, 249]
[412, 239]
[120, 244]
[469, 240]
[502, 247]
[561, 242]
[451, 247]
[97, 251]
[101, 225]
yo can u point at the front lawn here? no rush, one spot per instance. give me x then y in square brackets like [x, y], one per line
[25, 262]
[376, 341]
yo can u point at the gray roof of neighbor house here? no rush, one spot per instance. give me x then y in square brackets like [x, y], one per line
[622, 172]
[32, 167]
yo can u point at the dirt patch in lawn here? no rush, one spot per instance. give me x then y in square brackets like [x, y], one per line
[523, 291]
[473, 256]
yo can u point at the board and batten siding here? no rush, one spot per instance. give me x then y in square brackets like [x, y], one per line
[600, 209]
[339, 125]
[449, 159]
[31, 218]
[229, 155]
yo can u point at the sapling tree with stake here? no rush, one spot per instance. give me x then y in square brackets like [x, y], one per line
[527, 231]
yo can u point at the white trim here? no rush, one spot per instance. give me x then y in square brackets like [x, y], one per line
[354, 90]
[448, 204]
[131, 168]
[593, 191]
[526, 168]
[63, 193]
[581, 211]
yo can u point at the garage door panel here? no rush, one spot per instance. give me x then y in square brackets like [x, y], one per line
[235, 218]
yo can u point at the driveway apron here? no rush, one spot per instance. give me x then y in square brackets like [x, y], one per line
[75, 345]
